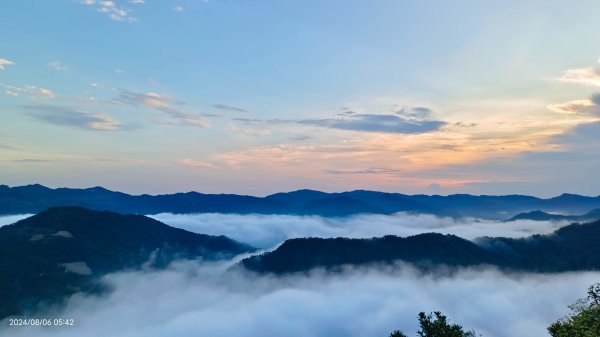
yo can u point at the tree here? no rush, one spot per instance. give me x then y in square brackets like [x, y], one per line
[397, 333]
[584, 320]
[438, 327]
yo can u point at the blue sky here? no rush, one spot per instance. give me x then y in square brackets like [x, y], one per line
[256, 97]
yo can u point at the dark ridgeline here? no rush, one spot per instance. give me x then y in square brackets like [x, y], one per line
[300, 255]
[572, 248]
[36, 198]
[543, 216]
[63, 250]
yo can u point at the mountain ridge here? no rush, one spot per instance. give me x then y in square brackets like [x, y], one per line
[570, 248]
[63, 250]
[36, 198]
[538, 215]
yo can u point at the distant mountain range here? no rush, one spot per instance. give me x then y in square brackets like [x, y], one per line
[543, 216]
[36, 198]
[63, 250]
[571, 248]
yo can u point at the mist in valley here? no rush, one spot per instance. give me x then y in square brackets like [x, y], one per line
[197, 298]
[193, 298]
[264, 231]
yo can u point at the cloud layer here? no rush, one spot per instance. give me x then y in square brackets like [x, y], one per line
[230, 108]
[376, 123]
[112, 10]
[195, 299]
[4, 63]
[266, 231]
[10, 219]
[590, 106]
[195, 163]
[34, 92]
[165, 104]
[65, 116]
[585, 76]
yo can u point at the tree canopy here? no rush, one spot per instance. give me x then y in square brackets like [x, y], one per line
[436, 325]
[584, 320]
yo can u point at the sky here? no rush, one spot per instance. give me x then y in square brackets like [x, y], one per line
[257, 97]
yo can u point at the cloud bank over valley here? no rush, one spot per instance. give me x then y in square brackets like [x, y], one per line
[192, 298]
[266, 231]
[10, 219]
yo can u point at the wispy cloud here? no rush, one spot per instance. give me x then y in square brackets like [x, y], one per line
[249, 131]
[299, 138]
[7, 147]
[33, 91]
[231, 108]
[4, 63]
[57, 65]
[373, 170]
[195, 163]
[155, 100]
[166, 104]
[66, 116]
[248, 121]
[393, 119]
[112, 10]
[589, 106]
[403, 120]
[39, 92]
[415, 113]
[376, 123]
[32, 161]
[586, 76]
[178, 9]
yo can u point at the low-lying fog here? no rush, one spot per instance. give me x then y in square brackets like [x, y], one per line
[194, 299]
[11, 219]
[264, 231]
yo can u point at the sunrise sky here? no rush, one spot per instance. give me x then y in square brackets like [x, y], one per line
[256, 97]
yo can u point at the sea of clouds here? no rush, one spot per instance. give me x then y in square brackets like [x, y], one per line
[264, 231]
[10, 219]
[267, 231]
[195, 298]
[192, 299]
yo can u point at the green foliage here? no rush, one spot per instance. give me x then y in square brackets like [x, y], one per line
[436, 327]
[584, 320]
[594, 294]
[440, 327]
[397, 333]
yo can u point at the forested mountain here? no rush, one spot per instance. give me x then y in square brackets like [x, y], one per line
[63, 250]
[543, 216]
[571, 248]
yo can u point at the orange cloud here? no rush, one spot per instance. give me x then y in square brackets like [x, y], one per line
[482, 131]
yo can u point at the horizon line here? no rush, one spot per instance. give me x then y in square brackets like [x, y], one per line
[298, 190]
